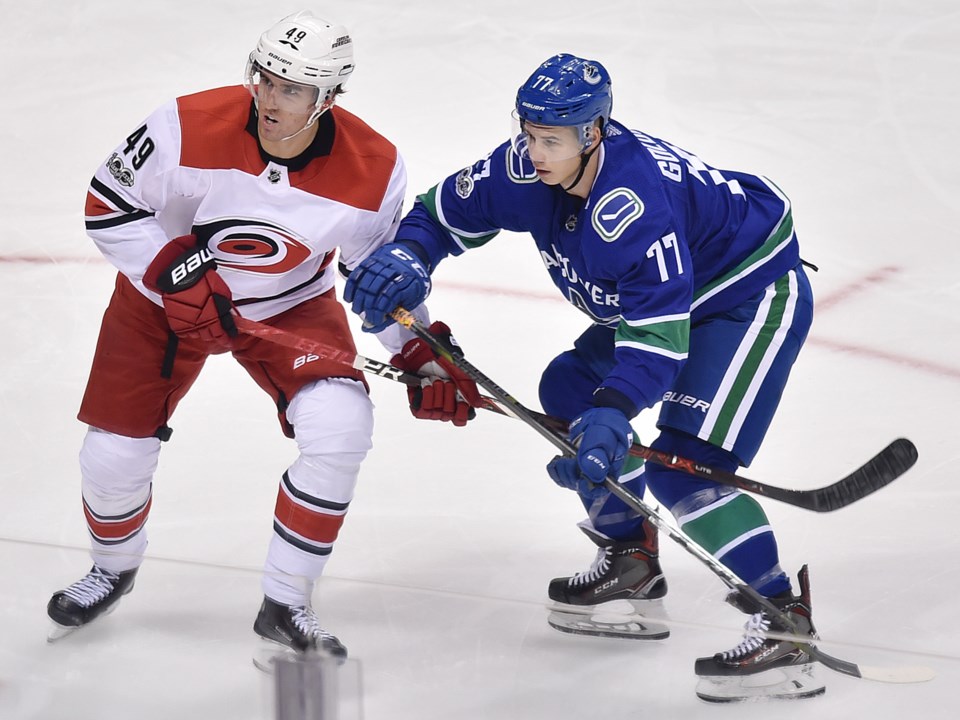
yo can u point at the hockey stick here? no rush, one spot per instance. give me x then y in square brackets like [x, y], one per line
[879, 471]
[326, 352]
[885, 467]
[352, 360]
[895, 675]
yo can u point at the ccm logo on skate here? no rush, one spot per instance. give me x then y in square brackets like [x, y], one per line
[606, 586]
[688, 400]
[764, 653]
[304, 359]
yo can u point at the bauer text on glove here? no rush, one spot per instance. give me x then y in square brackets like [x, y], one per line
[198, 303]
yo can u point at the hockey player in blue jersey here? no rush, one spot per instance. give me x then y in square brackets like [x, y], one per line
[692, 279]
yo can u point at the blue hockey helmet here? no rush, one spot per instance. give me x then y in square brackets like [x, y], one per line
[566, 90]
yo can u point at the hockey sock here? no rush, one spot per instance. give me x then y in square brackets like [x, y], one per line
[728, 524]
[734, 529]
[610, 515]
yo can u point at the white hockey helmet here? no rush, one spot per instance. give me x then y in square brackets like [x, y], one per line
[304, 49]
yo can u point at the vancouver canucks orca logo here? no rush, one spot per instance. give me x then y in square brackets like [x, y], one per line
[252, 245]
[591, 73]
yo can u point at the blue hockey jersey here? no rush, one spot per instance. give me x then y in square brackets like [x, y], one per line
[662, 241]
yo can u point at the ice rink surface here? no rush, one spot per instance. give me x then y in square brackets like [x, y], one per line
[438, 582]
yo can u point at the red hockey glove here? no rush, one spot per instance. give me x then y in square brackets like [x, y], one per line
[198, 302]
[446, 393]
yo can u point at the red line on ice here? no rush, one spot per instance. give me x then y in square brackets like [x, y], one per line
[877, 277]
[874, 354]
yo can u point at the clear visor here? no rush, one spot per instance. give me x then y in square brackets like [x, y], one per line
[272, 90]
[548, 143]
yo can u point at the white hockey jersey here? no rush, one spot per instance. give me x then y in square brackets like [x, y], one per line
[195, 167]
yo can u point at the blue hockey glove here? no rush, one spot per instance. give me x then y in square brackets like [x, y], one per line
[604, 436]
[391, 277]
[565, 472]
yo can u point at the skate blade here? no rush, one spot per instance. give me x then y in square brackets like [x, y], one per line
[58, 632]
[790, 683]
[649, 609]
[265, 653]
[268, 652]
[628, 619]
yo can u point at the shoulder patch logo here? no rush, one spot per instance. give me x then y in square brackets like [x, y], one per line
[468, 178]
[121, 173]
[465, 182]
[615, 211]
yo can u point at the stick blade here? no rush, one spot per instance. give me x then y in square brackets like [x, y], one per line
[904, 674]
[881, 470]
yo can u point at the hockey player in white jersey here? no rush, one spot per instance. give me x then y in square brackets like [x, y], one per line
[230, 202]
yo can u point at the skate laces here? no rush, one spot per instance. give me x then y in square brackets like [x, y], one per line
[93, 588]
[755, 632]
[600, 565]
[305, 620]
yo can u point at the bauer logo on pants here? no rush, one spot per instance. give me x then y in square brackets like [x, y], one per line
[688, 400]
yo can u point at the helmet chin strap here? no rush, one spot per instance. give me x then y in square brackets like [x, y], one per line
[317, 112]
[327, 104]
[310, 122]
[584, 159]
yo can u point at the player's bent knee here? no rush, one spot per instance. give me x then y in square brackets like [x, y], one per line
[113, 465]
[332, 416]
[333, 421]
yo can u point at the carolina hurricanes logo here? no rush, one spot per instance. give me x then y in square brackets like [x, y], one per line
[253, 246]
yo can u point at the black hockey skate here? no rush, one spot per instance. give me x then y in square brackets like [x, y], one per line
[612, 598]
[96, 594]
[762, 666]
[297, 629]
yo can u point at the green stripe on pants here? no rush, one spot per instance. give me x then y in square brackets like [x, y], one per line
[751, 362]
[726, 523]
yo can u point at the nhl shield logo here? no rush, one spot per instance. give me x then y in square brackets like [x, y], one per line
[274, 176]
